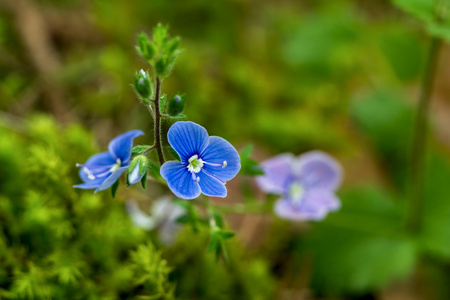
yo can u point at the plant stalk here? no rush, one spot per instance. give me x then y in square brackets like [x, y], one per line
[158, 143]
[414, 216]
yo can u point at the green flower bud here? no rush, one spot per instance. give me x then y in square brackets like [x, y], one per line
[142, 84]
[146, 48]
[176, 105]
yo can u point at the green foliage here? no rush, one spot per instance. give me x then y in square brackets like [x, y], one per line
[369, 249]
[59, 243]
[173, 153]
[242, 277]
[248, 165]
[433, 14]
[161, 52]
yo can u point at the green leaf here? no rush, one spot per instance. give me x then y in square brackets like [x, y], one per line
[178, 117]
[114, 188]
[139, 149]
[144, 181]
[433, 14]
[173, 153]
[160, 35]
[154, 170]
[225, 234]
[163, 103]
[248, 165]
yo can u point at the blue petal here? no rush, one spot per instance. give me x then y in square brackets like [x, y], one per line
[211, 186]
[187, 139]
[179, 180]
[104, 159]
[317, 169]
[88, 185]
[111, 179]
[218, 151]
[277, 174]
[315, 205]
[120, 147]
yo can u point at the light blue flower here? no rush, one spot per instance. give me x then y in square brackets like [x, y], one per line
[207, 163]
[306, 184]
[102, 170]
[163, 216]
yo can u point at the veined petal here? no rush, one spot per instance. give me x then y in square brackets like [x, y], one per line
[316, 204]
[111, 179]
[187, 139]
[120, 147]
[89, 185]
[317, 169]
[211, 186]
[100, 163]
[179, 180]
[277, 174]
[217, 152]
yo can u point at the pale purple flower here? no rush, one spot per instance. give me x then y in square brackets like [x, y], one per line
[306, 183]
[102, 170]
[163, 216]
[207, 162]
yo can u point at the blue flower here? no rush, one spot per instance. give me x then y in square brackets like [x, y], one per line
[306, 184]
[102, 170]
[206, 162]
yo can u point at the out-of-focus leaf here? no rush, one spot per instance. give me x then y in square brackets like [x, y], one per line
[248, 165]
[360, 248]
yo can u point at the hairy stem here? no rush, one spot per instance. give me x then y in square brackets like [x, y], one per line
[413, 221]
[157, 122]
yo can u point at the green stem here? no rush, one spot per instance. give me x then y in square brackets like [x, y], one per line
[413, 221]
[158, 143]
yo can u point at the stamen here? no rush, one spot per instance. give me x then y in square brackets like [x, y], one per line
[89, 173]
[223, 165]
[195, 178]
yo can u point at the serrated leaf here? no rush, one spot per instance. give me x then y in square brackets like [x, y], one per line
[139, 149]
[114, 188]
[173, 153]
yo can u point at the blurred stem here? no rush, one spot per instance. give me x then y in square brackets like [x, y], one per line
[157, 122]
[414, 216]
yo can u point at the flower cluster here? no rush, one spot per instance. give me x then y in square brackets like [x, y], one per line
[306, 184]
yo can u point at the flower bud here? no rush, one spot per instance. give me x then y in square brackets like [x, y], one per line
[146, 49]
[142, 84]
[137, 169]
[176, 105]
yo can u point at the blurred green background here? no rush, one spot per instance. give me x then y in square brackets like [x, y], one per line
[289, 76]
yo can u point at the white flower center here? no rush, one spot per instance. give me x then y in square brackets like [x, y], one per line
[195, 164]
[296, 192]
[116, 165]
